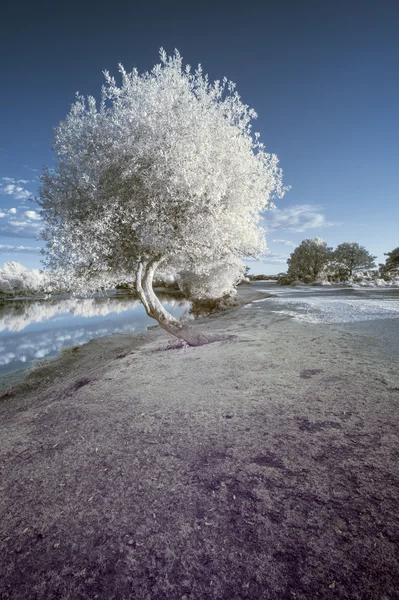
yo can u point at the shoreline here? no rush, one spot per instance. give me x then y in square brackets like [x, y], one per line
[26, 375]
[260, 466]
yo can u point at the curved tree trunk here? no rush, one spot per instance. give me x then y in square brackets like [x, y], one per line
[155, 310]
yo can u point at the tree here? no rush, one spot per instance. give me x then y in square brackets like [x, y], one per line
[391, 263]
[308, 260]
[350, 257]
[164, 172]
[15, 279]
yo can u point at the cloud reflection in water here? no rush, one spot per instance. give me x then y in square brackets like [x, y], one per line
[36, 329]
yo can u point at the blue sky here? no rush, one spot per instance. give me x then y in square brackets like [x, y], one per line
[322, 76]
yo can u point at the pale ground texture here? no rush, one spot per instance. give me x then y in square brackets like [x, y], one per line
[262, 467]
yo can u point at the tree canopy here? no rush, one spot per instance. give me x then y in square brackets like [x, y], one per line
[313, 260]
[351, 257]
[392, 262]
[308, 260]
[164, 172]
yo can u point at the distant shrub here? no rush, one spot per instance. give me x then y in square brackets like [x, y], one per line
[208, 306]
[168, 285]
[284, 279]
[129, 287]
[263, 277]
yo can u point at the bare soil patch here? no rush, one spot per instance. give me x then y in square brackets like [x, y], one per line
[261, 466]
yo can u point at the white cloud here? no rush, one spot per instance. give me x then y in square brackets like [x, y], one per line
[11, 187]
[17, 222]
[298, 218]
[274, 259]
[17, 192]
[286, 243]
[31, 214]
[12, 180]
[7, 248]
[16, 227]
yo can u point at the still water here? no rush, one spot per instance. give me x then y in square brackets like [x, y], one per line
[371, 312]
[31, 330]
[328, 304]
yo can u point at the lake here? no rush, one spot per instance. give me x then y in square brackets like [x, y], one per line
[31, 330]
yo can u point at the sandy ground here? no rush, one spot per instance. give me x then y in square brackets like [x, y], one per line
[264, 466]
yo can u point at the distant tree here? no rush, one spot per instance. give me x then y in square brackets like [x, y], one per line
[166, 170]
[262, 277]
[350, 257]
[391, 265]
[308, 260]
[15, 279]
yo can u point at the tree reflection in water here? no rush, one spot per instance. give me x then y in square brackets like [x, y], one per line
[32, 329]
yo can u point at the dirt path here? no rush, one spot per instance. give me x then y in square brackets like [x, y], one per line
[262, 467]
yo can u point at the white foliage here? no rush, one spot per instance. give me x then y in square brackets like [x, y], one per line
[166, 166]
[317, 241]
[371, 279]
[16, 279]
[212, 281]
